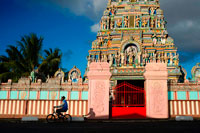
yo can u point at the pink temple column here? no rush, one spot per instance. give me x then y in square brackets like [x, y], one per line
[99, 83]
[156, 76]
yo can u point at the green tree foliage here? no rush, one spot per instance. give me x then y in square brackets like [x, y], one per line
[26, 56]
[50, 62]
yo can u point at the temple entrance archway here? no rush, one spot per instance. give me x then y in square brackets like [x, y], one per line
[129, 100]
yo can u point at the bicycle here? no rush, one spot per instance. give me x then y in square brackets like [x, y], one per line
[55, 117]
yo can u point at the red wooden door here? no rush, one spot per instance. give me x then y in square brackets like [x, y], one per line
[128, 102]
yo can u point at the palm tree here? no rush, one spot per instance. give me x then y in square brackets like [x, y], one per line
[30, 48]
[50, 62]
[21, 60]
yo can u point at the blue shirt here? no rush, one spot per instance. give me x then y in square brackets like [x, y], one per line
[65, 105]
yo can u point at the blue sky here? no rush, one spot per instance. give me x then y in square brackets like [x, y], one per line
[67, 32]
[71, 26]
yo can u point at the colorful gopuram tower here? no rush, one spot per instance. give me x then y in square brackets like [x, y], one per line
[133, 33]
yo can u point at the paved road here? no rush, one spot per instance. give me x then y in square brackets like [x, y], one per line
[102, 127]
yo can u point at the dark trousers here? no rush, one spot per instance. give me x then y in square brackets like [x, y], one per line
[58, 111]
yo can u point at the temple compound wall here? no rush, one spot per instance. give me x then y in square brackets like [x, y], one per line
[37, 99]
[184, 99]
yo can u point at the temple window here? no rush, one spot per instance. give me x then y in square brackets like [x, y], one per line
[13, 95]
[74, 95]
[84, 95]
[33, 95]
[3, 94]
[181, 95]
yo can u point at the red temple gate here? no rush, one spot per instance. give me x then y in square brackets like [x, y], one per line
[128, 102]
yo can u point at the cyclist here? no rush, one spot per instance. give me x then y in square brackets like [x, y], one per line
[63, 107]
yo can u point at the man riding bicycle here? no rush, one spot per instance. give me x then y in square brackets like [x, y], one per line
[63, 107]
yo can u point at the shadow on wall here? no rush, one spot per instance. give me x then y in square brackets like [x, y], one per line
[91, 114]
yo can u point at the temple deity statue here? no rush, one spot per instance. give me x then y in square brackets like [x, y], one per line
[98, 45]
[157, 1]
[112, 25]
[74, 77]
[126, 20]
[154, 57]
[145, 57]
[163, 40]
[162, 57]
[119, 23]
[106, 12]
[107, 23]
[125, 59]
[48, 77]
[101, 41]
[33, 76]
[118, 58]
[130, 59]
[115, 59]
[138, 58]
[152, 10]
[102, 58]
[152, 23]
[131, 52]
[60, 75]
[176, 59]
[158, 23]
[143, 60]
[154, 40]
[138, 22]
[89, 60]
[144, 22]
[105, 58]
[171, 59]
[122, 59]
[110, 60]
[104, 24]
[93, 58]
[151, 58]
[163, 23]
[159, 58]
[113, 10]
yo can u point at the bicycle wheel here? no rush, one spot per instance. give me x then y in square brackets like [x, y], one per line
[67, 118]
[50, 118]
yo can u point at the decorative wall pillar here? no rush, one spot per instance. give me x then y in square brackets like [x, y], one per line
[156, 76]
[98, 95]
[8, 94]
[38, 95]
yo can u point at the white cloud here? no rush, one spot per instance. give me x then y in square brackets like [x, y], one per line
[99, 5]
[185, 25]
[92, 9]
[95, 28]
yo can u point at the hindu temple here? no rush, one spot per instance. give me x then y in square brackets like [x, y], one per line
[133, 72]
